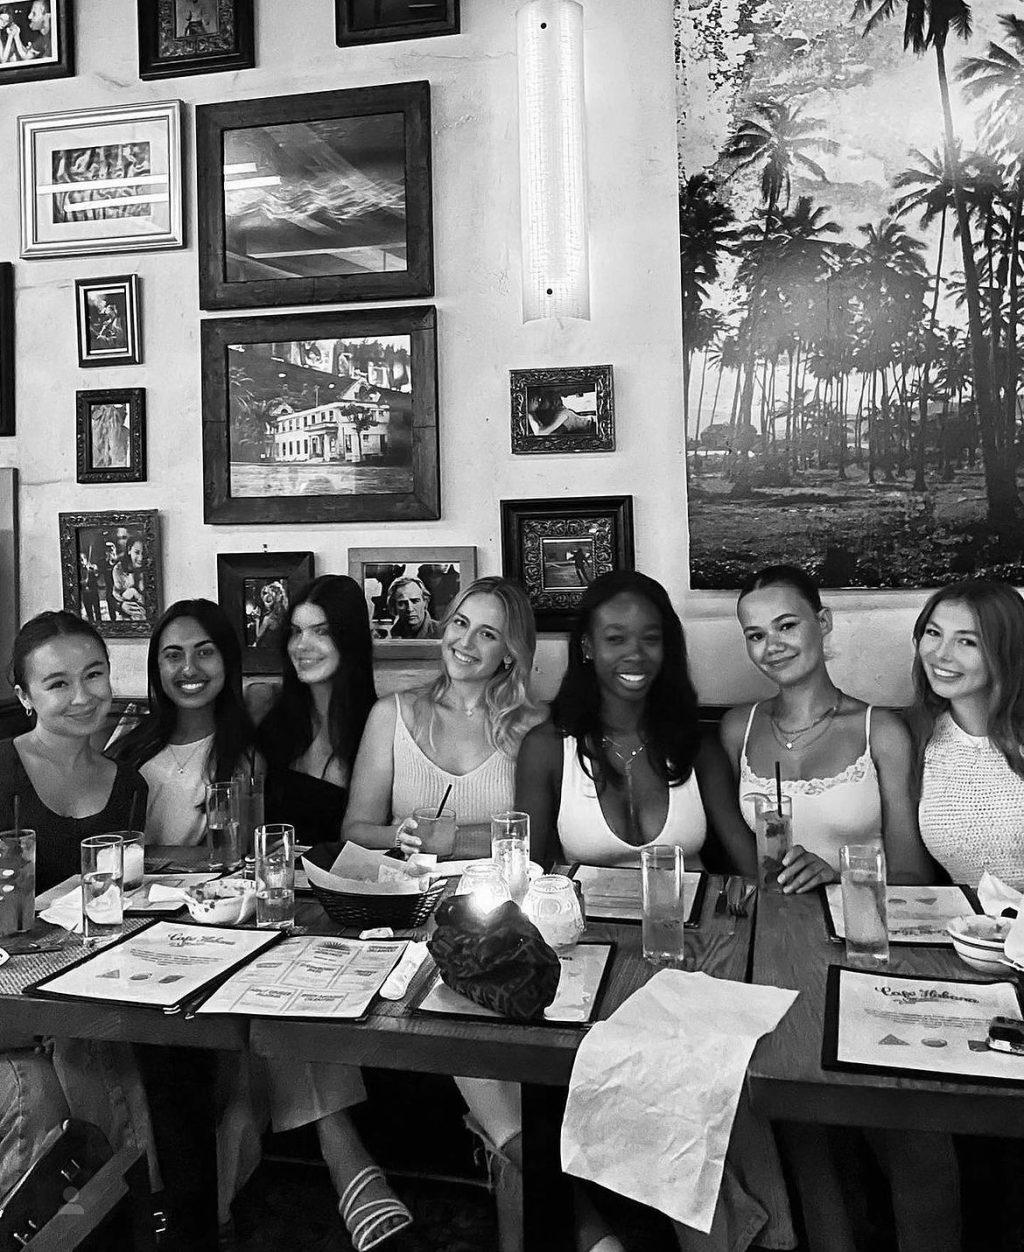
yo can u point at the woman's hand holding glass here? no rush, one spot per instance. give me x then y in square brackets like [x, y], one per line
[803, 871]
[406, 841]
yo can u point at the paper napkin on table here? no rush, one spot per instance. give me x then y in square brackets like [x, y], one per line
[65, 911]
[994, 895]
[363, 871]
[654, 1090]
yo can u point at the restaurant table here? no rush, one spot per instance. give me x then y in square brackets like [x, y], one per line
[785, 1078]
[393, 1037]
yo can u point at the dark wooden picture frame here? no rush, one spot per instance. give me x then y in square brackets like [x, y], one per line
[370, 566]
[554, 548]
[542, 419]
[6, 348]
[233, 372]
[286, 575]
[103, 428]
[61, 62]
[109, 333]
[122, 593]
[385, 21]
[276, 134]
[164, 52]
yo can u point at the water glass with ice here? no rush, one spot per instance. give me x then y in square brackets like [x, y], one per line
[661, 877]
[133, 858]
[510, 850]
[275, 876]
[102, 880]
[17, 881]
[862, 874]
[222, 824]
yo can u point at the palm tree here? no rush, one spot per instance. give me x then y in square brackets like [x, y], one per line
[928, 24]
[705, 235]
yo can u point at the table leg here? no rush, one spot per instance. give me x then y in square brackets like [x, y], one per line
[547, 1193]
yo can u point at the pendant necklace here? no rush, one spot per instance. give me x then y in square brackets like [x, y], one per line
[788, 738]
[626, 762]
[189, 756]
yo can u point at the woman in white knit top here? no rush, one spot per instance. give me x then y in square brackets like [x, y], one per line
[969, 680]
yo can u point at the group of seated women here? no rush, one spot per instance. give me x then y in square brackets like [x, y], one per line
[618, 762]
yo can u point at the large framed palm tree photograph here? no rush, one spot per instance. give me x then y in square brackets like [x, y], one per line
[851, 211]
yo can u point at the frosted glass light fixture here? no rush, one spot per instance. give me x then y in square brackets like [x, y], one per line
[552, 160]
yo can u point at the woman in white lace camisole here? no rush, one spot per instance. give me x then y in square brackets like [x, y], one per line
[846, 766]
[969, 684]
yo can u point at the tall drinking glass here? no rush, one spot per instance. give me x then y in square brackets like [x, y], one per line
[102, 877]
[773, 833]
[250, 814]
[510, 850]
[222, 813]
[17, 881]
[661, 870]
[275, 876]
[862, 874]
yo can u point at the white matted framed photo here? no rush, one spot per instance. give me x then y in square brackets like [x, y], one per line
[569, 409]
[408, 591]
[101, 180]
[108, 319]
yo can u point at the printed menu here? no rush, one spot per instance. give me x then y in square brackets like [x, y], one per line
[615, 894]
[916, 915]
[309, 977]
[162, 965]
[921, 1027]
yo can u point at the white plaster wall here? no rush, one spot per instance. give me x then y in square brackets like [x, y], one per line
[635, 323]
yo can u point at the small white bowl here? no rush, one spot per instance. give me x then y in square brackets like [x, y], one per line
[222, 902]
[978, 941]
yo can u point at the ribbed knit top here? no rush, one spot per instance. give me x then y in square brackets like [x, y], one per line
[418, 781]
[972, 807]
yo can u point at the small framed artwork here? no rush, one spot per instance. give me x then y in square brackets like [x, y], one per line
[556, 548]
[256, 591]
[6, 348]
[321, 417]
[315, 199]
[563, 410]
[179, 37]
[111, 571]
[111, 436]
[109, 323]
[408, 591]
[101, 180]
[383, 21]
[36, 40]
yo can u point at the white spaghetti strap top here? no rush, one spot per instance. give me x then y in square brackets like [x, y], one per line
[827, 812]
[586, 836]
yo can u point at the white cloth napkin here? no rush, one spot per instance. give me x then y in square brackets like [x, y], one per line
[65, 911]
[994, 895]
[654, 1090]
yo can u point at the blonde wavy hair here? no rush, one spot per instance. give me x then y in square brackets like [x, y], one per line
[511, 710]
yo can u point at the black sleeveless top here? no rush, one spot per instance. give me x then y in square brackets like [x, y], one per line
[58, 839]
[314, 806]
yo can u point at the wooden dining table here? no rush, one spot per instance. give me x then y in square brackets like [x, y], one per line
[392, 1036]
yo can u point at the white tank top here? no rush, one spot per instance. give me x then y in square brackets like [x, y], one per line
[584, 831]
[177, 778]
[827, 812]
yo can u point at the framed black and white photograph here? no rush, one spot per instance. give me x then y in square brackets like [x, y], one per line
[256, 590]
[109, 322]
[101, 180]
[383, 21]
[321, 417]
[408, 591]
[315, 199]
[563, 410]
[111, 435]
[179, 37]
[556, 548]
[36, 40]
[6, 348]
[111, 570]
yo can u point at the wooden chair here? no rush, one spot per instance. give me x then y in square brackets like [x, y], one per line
[79, 1194]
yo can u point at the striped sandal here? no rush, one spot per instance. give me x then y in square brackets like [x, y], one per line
[374, 1221]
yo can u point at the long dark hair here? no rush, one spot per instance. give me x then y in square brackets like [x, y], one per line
[287, 730]
[670, 717]
[234, 733]
[999, 611]
[51, 624]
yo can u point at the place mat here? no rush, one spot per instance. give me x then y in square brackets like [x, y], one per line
[22, 971]
[915, 915]
[613, 893]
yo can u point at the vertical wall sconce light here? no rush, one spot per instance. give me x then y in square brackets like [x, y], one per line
[552, 160]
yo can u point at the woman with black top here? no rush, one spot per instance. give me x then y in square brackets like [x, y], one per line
[310, 736]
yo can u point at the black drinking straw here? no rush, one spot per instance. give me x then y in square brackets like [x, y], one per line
[778, 785]
[17, 814]
[444, 800]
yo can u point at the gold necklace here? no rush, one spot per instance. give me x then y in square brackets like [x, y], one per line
[625, 761]
[788, 738]
[189, 757]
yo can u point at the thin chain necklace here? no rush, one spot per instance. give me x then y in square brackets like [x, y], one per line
[788, 738]
[189, 756]
[625, 761]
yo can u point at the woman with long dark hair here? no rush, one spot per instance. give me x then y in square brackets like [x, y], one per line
[622, 764]
[310, 736]
[969, 729]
